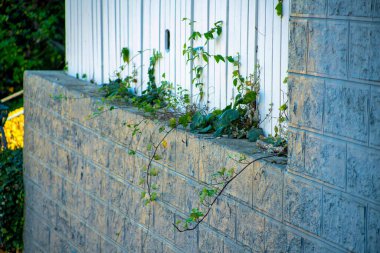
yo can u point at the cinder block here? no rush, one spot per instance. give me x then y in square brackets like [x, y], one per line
[133, 237]
[277, 239]
[325, 159]
[92, 241]
[188, 154]
[297, 45]
[58, 244]
[209, 241]
[302, 204]
[374, 117]
[94, 213]
[163, 221]
[186, 241]
[296, 149]
[108, 246]
[346, 110]
[328, 48]
[116, 226]
[308, 7]
[212, 159]
[363, 172]
[250, 228]
[318, 247]
[267, 190]
[343, 221]
[179, 192]
[232, 247]
[223, 216]
[77, 232]
[357, 8]
[376, 8]
[241, 186]
[306, 95]
[62, 227]
[95, 181]
[364, 53]
[373, 230]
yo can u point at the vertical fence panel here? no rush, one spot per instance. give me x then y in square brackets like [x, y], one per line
[147, 39]
[183, 31]
[276, 71]
[284, 49]
[201, 25]
[211, 87]
[252, 35]
[68, 33]
[97, 30]
[97, 41]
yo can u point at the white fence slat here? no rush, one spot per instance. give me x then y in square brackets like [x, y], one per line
[201, 25]
[147, 39]
[244, 9]
[211, 87]
[284, 49]
[252, 35]
[276, 71]
[183, 67]
[221, 48]
[68, 33]
[97, 41]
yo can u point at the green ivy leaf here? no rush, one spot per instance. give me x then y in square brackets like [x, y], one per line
[153, 172]
[279, 8]
[125, 53]
[254, 134]
[157, 157]
[219, 58]
[249, 97]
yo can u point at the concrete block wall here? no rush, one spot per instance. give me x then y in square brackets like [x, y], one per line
[334, 92]
[82, 191]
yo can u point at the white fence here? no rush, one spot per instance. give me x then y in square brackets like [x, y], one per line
[96, 30]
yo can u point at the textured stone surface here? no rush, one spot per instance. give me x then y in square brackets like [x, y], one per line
[363, 172]
[373, 230]
[343, 221]
[209, 241]
[267, 190]
[328, 48]
[376, 8]
[250, 228]
[356, 8]
[296, 149]
[340, 154]
[318, 247]
[305, 96]
[297, 46]
[302, 204]
[308, 7]
[374, 117]
[346, 110]
[277, 239]
[325, 160]
[364, 53]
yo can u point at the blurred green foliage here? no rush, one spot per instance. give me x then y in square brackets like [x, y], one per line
[11, 200]
[31, 37]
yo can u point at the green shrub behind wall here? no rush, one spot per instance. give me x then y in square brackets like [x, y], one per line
[31, 37]
[11, 200]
